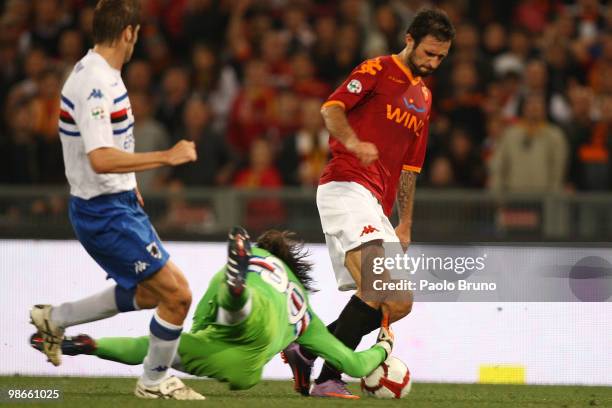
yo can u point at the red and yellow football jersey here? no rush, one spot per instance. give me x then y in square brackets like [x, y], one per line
[385, 105]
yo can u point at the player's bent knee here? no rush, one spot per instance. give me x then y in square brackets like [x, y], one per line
[399, 309]
[176, 301]
[179, 301]
[145, 299]
[146, 303]
[405, 308]
[185, 299]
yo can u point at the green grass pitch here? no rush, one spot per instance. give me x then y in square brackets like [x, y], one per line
[117, 392]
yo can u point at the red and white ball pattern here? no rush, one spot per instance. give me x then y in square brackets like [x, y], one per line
[389, 380]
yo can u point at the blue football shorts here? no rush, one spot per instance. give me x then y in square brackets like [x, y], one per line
[118, 235]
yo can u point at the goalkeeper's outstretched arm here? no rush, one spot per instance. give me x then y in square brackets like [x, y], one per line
[357, 364]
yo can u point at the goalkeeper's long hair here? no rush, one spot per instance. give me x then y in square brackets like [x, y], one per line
[288, 248]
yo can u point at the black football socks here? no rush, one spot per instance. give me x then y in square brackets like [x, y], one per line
[356, 320]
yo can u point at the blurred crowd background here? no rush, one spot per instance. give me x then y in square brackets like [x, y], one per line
[522, 103]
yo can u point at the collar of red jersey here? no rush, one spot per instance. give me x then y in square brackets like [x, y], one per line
[413, 80]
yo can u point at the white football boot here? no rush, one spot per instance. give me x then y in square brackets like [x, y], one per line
[170, 388]
[52, 334]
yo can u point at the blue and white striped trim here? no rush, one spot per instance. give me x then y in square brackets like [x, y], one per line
[119, 99]
[68, 102]
[164, 330]
[68, 133]
[121, 131]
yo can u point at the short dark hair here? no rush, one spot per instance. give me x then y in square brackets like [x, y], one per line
[111, 17]
[434, 22]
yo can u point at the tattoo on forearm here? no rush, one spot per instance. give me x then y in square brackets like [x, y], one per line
[405, 195]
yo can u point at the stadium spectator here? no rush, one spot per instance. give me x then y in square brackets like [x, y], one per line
[204, 20]
[304, 81]
[71, 49]
[324, 48]
[495, 129]
[47, 27]
[533, 14]
[468, 50]
[593, 142]
[284, 116]
[503, 52]
[156, 49]
[601, 67]
[85, 24]
[494, 40]
[242, 36]
[252, 109]
[45, 117]
[217, 82]
[531, 155]
[519, 50]
[261, 174]
[273, 52]
[21, 152]
[18, 14]
[216, 162]
[261, 171]
[304, 153]
[353, 12]
[297, 34]
[45, 109]
[588, 18]
[348, 50]
[509, 97]
[139, 77]
[174, 94]
[149, 135]
[535, 80]
[467, 167]
[578, 130]
[35, 63]
[388, 34]
[440, 173]
[562, 68]
[215, 167]
[463, 105]
[562, 28]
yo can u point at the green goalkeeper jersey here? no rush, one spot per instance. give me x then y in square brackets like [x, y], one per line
[279, 314]
[273, 312]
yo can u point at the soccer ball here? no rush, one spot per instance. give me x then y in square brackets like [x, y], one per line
[389, 380]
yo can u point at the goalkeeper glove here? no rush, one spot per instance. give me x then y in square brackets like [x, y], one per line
[385, 340]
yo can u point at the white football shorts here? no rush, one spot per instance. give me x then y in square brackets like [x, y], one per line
[350, 216]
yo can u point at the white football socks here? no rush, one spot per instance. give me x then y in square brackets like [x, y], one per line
[96, 307]
[163, 343]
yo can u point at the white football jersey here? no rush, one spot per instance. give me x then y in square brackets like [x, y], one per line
[95, 112]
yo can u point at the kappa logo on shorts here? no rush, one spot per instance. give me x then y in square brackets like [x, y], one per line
[140, 266]
[368, 229]
[154, 250]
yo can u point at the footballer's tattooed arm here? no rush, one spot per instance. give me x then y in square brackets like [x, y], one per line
[405, 203]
